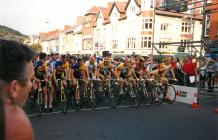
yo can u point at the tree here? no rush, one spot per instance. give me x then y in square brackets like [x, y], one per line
[36, 47]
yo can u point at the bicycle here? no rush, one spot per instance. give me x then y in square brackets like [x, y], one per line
[39, 101]
[130, 92]
[62, 93]
[144, 94]
[158, 90]
[92, 95]
[112, 91]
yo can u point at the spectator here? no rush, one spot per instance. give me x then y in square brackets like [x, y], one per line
[16, 71]
[189, 70]
[173, 62]
[202, 74]
[210, 75]
[178, 72]
[215, 78]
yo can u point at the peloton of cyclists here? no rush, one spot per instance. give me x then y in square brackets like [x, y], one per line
[73, 68]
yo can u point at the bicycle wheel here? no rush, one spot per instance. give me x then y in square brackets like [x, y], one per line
[147, 98]
[113, 96]
[39, 104]
[135, 102]
[39, 110]
[64, 107]
[171, 93]
[157, 95]
[63, 102]
[92, 99]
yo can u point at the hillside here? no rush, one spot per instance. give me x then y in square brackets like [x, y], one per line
[10, 33]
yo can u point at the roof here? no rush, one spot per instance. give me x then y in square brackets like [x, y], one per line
[138, 3]
[105, 13]
[93, 10]
[72, 28]
[121, 7]
[175, 14]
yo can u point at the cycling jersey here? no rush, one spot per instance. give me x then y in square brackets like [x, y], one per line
[91, 66]
[105, 69]
[78, 70]
[124, 70]
[40, 70]
[51, 66]
[60, 67]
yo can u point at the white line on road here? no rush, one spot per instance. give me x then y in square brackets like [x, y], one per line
[85, 109]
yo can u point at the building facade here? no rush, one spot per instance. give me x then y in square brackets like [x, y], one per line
[127, 26]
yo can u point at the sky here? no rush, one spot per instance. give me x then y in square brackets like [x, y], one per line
[33, 16]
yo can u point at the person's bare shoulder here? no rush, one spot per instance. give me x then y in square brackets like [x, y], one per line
[17, 125]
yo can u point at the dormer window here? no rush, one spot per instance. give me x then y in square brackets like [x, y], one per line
[133, 9]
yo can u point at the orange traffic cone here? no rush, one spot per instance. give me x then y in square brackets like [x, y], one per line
[216, 110]
[195, 103]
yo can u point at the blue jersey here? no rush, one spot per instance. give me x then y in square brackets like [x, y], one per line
[40, 69]
[59, 67]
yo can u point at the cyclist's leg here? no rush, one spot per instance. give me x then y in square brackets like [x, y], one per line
[51, 91]
[45, 95]
[164, 82]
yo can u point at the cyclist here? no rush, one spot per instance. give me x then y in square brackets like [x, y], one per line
[79, 72]
[91, 66]
[141, 69]
[60, 71]
[124, 71]
[51, 67]
[41, 73]
[165, 72]
[105, 69]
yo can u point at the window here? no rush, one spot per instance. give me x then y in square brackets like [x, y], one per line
[162, 3]
[152, 4]
[87, 44]
[144, 3]
[133, 9]
[209, 1]
[87, 19]
[162, 45]
[207, 25]
[184, 42]
[114, 29]
[115, 14]
[186, 27]
[88, 31]
[98, 32]
[131, 43]
[114, 44]
[146, 42]
[164, 26]
[148, 4]
[147, 24]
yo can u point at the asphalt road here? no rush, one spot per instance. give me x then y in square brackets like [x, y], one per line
[167, 122]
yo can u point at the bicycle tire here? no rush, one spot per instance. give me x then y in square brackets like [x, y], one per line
[157, 95]
[64, 107]
[39, 110]
[172, 94]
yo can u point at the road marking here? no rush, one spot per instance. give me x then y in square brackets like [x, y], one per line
[88, 109]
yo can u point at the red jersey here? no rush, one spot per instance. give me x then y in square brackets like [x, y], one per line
[173, 64]
[189, 68]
